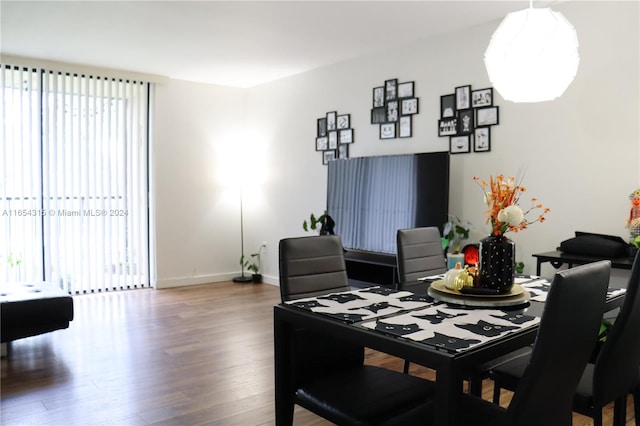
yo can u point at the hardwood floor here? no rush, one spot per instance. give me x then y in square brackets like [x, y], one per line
[200, 355]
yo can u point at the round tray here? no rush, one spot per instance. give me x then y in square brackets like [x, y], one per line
[517, 296]
[515, 291]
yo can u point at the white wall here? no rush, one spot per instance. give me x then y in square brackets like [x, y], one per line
[580, 153]
[196, 212]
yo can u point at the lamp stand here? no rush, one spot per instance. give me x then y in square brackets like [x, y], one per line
[242, 278]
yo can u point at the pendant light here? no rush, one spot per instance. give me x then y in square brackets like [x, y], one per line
[532, 56]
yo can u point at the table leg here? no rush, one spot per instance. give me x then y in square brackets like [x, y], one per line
[448, 390]
[283, 364]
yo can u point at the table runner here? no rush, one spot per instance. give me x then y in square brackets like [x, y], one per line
[364, 304]
[451, 327]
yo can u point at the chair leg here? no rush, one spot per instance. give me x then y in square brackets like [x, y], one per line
[405, 369]
[475, 386]
[496, 393]
[597, 416]
[620, 411]
[636, 404]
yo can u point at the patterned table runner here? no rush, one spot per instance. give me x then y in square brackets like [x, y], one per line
[360, 305]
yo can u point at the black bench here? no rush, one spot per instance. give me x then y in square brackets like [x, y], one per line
[32, 308]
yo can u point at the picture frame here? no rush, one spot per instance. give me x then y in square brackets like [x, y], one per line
[388, 130]
[405, 90]
[487, 116]
[343, 121]
[322, 126]
[378, 96]
[409, 106]
[448, 106]
[343, 151]
[378, 115]
[404, 129]
[465, 121]
[322, 143]
[448, 127]
[328, 156]
[333, 139]
[482, 139]
[482, 97]
[331, 120]
[463, 97]
[345, 136]
[392, 110]
[460, 144]
[391, 89]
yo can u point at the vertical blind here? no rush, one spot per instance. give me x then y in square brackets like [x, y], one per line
[74, 180]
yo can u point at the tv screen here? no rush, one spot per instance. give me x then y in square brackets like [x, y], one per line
[370, 198]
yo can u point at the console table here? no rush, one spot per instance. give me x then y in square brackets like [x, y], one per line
[365, 268]
[558, 258]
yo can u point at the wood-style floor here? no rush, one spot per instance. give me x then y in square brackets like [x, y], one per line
[200, 355]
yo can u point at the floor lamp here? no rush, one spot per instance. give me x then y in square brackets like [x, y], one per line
[242, 278]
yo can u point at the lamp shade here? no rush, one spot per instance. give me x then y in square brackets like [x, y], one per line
[532, 56]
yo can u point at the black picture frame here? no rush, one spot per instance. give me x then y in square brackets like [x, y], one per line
[448, 126]
[378, 115]
[482, 97]
[378, 97]
[343, 121]
[489, 116]
[409, 106]
[405, 90]
[322, 143]
[466, 121]
[322, 126]
[391, 89]
[331, 120]
[448, 105]
[404, 126]
[392, 110]
[463, 97]
[328, 155]
[342, 151]
[333, 139]
[388, 130]
[482, 139]
[460, 144]
[345, 136]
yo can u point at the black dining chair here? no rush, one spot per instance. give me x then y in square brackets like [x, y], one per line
[565, 339]
[331, 379]
[419, 254]
[614, 374]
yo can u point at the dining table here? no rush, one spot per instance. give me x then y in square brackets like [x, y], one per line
[434, 329]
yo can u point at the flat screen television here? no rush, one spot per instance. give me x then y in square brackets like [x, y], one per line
[370, 198]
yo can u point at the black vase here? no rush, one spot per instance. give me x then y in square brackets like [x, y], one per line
[497, 263]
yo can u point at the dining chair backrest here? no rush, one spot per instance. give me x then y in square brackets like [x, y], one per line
[419, 253]
[311, 266]
[566, 336]
[616, 368]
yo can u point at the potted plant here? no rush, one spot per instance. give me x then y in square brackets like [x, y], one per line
[323, 224]
[252, 263]
[455, 231]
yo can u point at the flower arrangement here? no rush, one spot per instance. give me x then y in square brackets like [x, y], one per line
[502, 197]
[455, 231]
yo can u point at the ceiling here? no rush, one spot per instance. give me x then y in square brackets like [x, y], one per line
[231, 43]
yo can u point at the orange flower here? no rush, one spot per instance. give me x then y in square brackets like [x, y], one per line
[502, 200]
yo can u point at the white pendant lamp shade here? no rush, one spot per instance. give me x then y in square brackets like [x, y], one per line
[532, 56]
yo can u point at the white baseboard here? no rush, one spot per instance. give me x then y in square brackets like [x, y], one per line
[206, 279]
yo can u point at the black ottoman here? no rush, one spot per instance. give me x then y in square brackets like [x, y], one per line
[31, 309]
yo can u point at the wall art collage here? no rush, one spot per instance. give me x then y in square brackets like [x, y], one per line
[393, 106]
[466, 117]
[334, 136]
